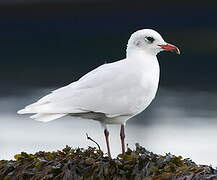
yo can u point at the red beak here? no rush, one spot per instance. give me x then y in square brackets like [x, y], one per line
[170, 47]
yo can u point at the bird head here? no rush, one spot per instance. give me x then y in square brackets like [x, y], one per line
[149, 41]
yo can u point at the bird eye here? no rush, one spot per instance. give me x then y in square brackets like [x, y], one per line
[150, 39]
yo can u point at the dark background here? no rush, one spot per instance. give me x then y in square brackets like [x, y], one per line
[52, 43]
[48, 44]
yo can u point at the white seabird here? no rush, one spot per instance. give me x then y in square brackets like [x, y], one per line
[113, 92]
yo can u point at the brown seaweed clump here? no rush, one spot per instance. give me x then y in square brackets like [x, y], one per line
[92, 164]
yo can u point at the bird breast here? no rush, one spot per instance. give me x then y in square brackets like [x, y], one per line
[146, 87]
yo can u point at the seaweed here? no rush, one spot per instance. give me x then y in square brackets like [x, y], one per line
[93, 164]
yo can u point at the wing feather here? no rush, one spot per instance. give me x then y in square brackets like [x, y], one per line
[96, 91]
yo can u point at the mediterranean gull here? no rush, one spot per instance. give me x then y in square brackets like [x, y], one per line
[113, 92]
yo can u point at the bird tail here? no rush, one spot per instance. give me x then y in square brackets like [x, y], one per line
[46, 117]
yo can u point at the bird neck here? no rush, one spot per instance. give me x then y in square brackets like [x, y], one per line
[136, 53]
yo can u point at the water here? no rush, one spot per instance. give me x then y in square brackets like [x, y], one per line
[178, 121]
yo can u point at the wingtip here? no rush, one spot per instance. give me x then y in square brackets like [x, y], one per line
[22, 111]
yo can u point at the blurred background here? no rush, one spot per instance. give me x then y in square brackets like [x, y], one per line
[48, 44]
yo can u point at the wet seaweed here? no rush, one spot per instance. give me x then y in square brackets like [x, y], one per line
[93, 164]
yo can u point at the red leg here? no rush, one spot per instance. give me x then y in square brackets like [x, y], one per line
[122, 135]
[106, 132]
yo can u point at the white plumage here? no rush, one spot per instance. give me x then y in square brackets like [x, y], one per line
[111, 93]
[111, 89]
[122, 88]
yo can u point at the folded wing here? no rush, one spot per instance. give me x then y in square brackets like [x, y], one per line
[97, 91]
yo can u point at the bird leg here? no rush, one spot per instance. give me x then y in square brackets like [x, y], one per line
[106, 132]
[122, 135]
